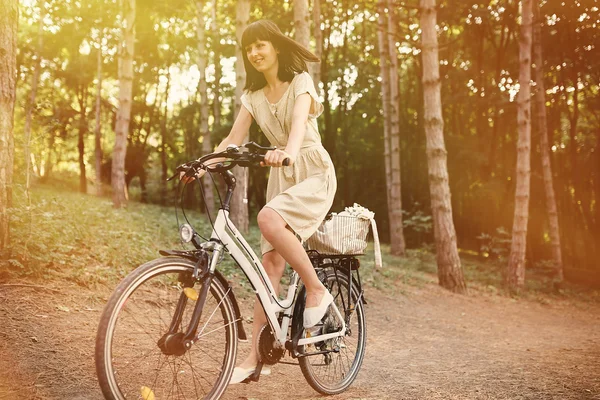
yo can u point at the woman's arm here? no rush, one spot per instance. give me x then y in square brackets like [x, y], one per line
[297, 132]
[236, 136]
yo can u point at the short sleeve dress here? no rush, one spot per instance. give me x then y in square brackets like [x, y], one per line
[302, 193]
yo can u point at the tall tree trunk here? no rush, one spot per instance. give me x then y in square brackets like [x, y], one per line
[328, 133]
[597, 183]
[384, 65]
[217, 62]
[9, 17]
[398, 245]
[301, 22]
[449, 268]
[97, 131]
[163, 141]
[83, 129]
[540, 101]
[126, 49]
[202, 88]
[318, 34]
[32, 95]
[239, 202]
[341, 109]
[515, 277]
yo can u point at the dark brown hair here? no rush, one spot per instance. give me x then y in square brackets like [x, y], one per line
[292, 55]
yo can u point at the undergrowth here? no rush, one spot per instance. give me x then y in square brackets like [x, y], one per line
[83, 239]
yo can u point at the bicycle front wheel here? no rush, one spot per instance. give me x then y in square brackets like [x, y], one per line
[334, 371]
[131, 364]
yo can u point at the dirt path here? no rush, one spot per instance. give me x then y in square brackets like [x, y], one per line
[423, 344]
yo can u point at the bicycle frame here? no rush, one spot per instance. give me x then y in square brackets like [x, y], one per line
[227, 235]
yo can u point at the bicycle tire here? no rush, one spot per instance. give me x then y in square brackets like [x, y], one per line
[128, 358]
[331, 376]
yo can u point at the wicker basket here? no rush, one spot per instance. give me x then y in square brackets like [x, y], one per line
[340, 235]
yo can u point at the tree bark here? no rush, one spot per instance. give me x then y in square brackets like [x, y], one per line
[82, 131]
[318, 34]
[217, 61]
[9, 17]
[97, 131]
[540, 101]
[301, 22]
[31, 103]
[450, 272]
[239, 202]
[163, 140]
[515, 277]
[203, 89]
[384, 68]
[126, 50]
[398, 245]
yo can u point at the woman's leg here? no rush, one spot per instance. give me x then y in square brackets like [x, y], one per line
[274, 229]
[274, 265]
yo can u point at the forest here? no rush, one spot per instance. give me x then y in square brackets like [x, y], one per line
[163, 80]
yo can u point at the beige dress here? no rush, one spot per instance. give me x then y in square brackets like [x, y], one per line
[302, 193]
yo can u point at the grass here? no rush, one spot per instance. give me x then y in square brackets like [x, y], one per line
[83, 239]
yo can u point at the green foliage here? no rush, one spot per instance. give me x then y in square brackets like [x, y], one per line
[82, 238]
[495, 246]
[478, 70]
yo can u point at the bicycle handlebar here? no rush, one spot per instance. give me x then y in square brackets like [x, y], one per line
[253, 157]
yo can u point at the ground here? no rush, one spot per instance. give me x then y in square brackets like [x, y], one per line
[423, 343]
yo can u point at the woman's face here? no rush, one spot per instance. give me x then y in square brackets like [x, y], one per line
[262, 55]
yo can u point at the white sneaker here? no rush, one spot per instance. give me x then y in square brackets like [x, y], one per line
[313, 315]
[241, 374]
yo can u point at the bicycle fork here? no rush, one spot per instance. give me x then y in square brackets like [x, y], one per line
[177, 343]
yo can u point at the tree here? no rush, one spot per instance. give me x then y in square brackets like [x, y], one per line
[396, 229]
[97, 130]
[9, 16]
[515, 276]
[450, 273]
[384, 62]
[239, 202]
[202, 57]
[318, 34]
[32, 95]
[542, 126]
[390, 106]
[216, 37]
[301, 22]
[126, 50]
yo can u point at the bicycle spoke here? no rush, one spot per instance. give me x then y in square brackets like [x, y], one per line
[138, 364]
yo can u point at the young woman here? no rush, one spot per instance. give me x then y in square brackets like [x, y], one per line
[281, 97]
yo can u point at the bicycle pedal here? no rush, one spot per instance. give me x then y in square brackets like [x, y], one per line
[254, 377]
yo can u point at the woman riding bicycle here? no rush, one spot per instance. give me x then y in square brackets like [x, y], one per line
[281, 97]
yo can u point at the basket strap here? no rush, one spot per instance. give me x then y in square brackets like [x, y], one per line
[377, 247]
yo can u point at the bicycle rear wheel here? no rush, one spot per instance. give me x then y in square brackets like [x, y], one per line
[334, 372]
[129, 362]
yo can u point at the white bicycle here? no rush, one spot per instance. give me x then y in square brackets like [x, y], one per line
[170, 329]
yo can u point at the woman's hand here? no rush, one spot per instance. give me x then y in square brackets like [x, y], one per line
[188, 179]
[274, 158]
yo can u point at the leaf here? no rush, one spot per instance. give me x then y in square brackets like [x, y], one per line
[147, 393]
[191, 293]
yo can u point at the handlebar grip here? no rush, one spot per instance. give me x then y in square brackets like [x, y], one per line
[286, 162]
